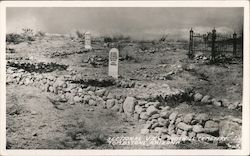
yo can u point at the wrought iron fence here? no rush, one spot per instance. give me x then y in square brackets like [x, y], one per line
[215, 44]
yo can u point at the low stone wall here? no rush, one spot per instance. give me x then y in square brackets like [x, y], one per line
[147, 106]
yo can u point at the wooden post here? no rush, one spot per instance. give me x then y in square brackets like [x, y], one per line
[234, 43]
[191, 45]
[213, 50]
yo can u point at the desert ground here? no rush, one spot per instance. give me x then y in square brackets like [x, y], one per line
[59, 95]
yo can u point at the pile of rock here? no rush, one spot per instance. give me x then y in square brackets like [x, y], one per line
[40, 67]
[206, 99]
[125, 83]
[166, 76]
[105, 81]
[201, 57]
[96, 60]
[168, 124]
[66, 53]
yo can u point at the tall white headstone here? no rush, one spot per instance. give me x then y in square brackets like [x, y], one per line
[113, 62]
[87, 37]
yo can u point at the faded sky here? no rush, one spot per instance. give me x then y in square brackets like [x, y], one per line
[139, 23]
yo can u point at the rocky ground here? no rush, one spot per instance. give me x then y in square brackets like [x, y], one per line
[59, 96]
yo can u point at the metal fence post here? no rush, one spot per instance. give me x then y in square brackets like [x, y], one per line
[191, 45]
[213, 50]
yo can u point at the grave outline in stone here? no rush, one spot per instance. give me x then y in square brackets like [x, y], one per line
[113, 63]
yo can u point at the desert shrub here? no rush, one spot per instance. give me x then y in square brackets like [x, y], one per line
[144, 46]
[40, 34]
[107, 39]
[79, 34]
[14, 38]
[97, 139]
[116, 38]
[163, 61]
[28, 34]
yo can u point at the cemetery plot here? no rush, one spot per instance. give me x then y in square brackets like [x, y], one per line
[115, 88]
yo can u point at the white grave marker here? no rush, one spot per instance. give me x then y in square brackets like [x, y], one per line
[113, 62]
[87, 37]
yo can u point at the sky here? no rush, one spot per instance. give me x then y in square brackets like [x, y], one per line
[138, 23]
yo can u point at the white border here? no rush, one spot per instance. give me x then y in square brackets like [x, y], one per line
[246, 99]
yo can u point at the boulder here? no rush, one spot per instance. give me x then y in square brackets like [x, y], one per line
[165, 137]
[51, 89]
[202, 118]
[197, 97]
[179, 132]
[163, 122]
[111, 96]
[155, 116]
[198, 128]
[151, 110]
[191, 134]
[184, 126]
[166, 108]
[178, 120]
[86, 98]
[211, 127]
[216, 102]
[138, 109]
[60, 82]
[100, 92]
[110, 103]
[155, 125]
[188, 118]
[206, 99]
[142, 102]
[165, 114]
[161, 130]
[92, 102]
[116, 108]
[225, 102]
[144, 116]
[147, 126]
[129, 105]
[231, 130]
[155, 104]
[142, 121]
[233, 105]
[184, 134]
[77, 99]
[171, 128]
[173, 116]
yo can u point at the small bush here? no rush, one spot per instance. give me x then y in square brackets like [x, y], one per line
[107, 39]
[28, 34]
[79, 34]
[40, 34]
[144, 46]
[14, 38]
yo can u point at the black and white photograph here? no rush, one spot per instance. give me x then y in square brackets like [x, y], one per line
[101, 78]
